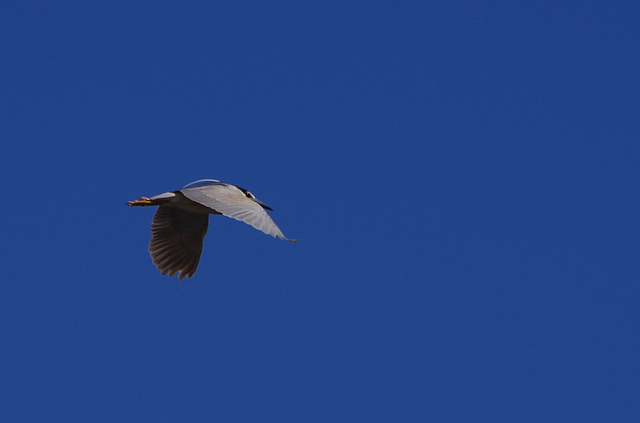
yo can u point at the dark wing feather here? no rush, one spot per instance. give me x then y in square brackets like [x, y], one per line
[176, 240]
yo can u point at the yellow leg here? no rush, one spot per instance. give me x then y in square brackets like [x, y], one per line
[144, 201]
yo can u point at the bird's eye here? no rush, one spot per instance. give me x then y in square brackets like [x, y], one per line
[246, 193]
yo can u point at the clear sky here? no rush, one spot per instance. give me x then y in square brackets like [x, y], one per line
[462, 175]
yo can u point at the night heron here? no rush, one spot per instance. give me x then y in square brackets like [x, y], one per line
[180, 223]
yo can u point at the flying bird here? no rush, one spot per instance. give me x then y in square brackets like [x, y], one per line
[181, 221]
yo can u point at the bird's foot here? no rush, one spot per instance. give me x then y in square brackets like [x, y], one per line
[144, 201]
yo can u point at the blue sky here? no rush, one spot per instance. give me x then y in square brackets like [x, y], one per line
[462, 176]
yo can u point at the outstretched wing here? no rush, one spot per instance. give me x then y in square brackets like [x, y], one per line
[176, 240]
[232, 202]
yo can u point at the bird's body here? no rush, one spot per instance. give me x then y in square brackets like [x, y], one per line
[181, 221]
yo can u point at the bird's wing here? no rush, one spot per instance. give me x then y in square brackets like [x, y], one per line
[176, 240]
[232, 202]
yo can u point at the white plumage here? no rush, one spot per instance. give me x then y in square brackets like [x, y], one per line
[180, 223]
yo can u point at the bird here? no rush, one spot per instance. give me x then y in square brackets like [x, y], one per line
[180, 224]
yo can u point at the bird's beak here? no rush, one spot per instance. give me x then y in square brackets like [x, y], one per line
[264, 206]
